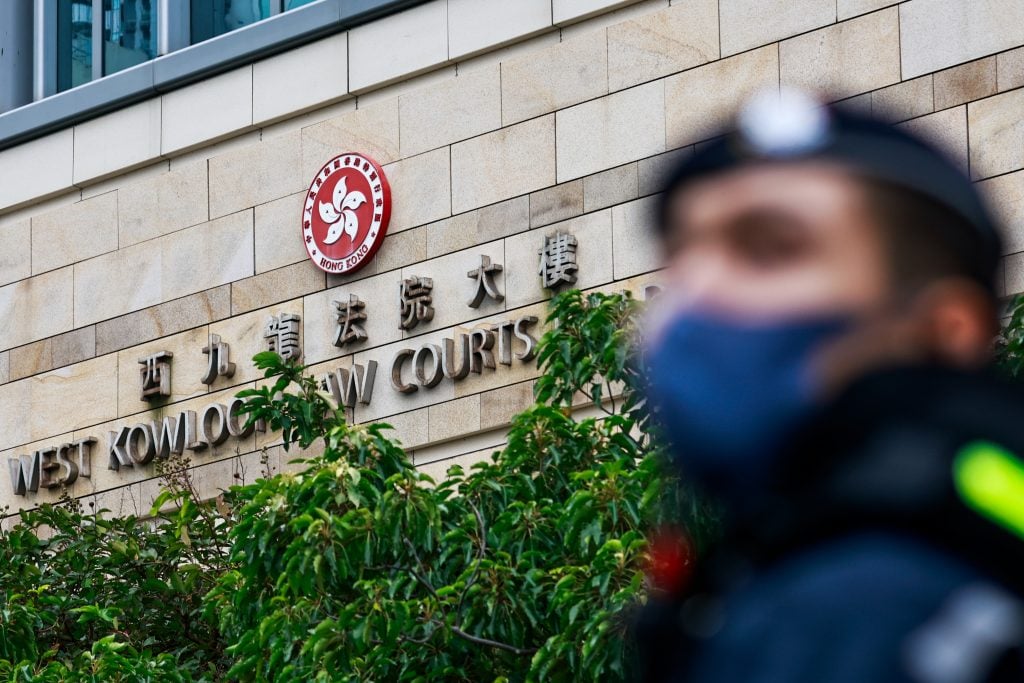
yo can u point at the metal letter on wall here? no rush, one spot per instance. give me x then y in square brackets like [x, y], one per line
[416, 301]
[156, 375]
[350, 318]
[218, 361]
[530, 344]
[484, 276]
[396, 372]
[281, 335]
[24, 473]
[85, 455]
[48, 467]
[350, 386]
[558, 260]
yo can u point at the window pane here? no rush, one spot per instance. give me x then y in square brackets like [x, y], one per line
[292, 4]
[213, 17]
[74, 43]
[129, 33]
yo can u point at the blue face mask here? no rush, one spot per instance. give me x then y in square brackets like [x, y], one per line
[730, 394]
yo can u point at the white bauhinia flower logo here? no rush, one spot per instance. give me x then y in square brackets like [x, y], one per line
[343, 205]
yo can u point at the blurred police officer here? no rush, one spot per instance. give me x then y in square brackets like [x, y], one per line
[818, 359]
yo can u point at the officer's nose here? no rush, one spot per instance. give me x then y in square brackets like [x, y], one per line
[698, 279]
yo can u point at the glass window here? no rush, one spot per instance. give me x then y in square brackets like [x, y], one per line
[129, 33]
[74, 43]
[292, 4]
[211, 18]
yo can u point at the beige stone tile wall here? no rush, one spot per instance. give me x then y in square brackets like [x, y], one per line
[936, 34]
[421, 189]
[749, 23]
[164, 203]
[564, 74]
[16, 254]
[611, 130]
[255, 174]
[947, 129]
[698, 102]
[138, 141]
[846, 59]
[286, 85]
[457, 109]
[189, 225]
[904, 100]
[52, 352]
[997, 134]
[478, 25]
[74, 233]
[667, 41]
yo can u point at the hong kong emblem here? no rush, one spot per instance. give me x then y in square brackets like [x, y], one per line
[346, 213]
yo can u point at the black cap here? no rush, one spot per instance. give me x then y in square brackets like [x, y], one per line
[794, 127]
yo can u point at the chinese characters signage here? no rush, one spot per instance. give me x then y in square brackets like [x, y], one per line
[344, 220]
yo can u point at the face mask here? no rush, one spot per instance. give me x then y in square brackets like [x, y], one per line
[730, 394]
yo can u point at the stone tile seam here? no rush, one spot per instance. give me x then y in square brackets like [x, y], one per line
[117, 191]
[610, 92]
[252, 384]
[556, 111]
[892, 3]
[496, 428]
[800, 34]
[117, 387]
[718, 10]
[967, 131]
[417, 227]
[899, 46]
[251, 127]
[337, 359]
[458, 141]
[463, 435]
[107, 320]
[451, 170]
[32, 220]
[882, 9]
[129, 487]
[50, 341]
[478, 208]
[497, 443]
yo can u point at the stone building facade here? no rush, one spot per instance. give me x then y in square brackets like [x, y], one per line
[172, 224]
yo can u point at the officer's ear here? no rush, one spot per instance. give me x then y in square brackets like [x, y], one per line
[958, 321]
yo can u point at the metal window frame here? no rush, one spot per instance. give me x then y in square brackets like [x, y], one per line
[45, 46]
[97, 39]
[173, 22]
[44, 49]
[179, 67]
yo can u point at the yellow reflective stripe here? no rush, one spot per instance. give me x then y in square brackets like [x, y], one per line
[990, 479]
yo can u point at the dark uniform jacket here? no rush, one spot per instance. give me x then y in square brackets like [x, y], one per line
[890, 548]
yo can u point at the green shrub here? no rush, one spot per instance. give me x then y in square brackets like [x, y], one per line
[526, 567]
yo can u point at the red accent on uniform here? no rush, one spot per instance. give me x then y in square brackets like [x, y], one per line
[671, 560]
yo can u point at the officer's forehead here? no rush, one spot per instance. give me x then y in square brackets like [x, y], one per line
[804, 189]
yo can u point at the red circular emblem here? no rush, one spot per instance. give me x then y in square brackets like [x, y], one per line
[346, 213]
